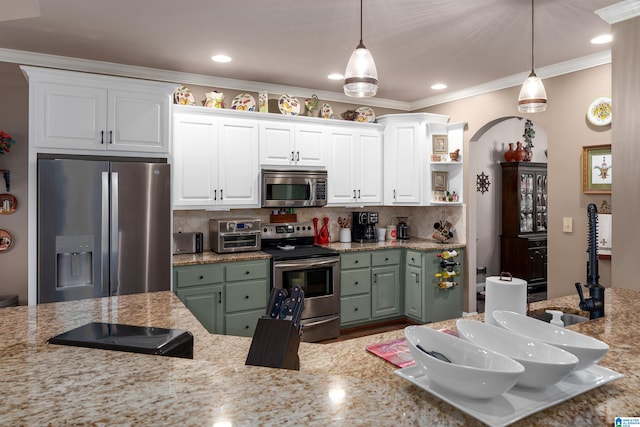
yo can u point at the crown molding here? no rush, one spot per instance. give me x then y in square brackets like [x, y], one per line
[554, 70]
[132, 71]
[620, 11]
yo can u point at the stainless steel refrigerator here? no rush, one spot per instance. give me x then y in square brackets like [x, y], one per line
[104, 228]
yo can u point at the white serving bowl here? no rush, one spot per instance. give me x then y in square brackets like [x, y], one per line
[588, 350]
[475, 372]
[544, 364]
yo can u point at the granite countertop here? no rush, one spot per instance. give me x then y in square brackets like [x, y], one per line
[56, 385]
[414, 243]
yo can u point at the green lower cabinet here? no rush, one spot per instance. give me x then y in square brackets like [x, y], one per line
[413, 293]
[234, 303]
[355, 309]
[206, 304]
[443, 304]
[242, 324]
[424, 301]
[385, 291]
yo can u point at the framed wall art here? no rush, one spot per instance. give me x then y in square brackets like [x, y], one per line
[439, 180]
[440, 144]
[596, 169]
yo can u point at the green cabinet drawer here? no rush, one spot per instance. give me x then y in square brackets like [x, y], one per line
[200, 275]
[242, 324]
[247, 270]
[414, 259]
[356, 281]
[355, 308]
[380, 258]
[355, 260]
[245, 295]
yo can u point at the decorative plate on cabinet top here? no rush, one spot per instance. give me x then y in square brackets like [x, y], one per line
[599, 112]
[288, 105]
[243, 102]
[326, 112]
[366, 115]
[183, 96]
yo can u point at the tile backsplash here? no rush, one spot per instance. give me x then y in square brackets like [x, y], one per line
[420, 219]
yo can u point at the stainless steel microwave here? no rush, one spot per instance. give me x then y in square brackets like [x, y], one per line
[294, 189]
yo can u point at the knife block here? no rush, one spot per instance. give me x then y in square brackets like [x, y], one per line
[275, 344]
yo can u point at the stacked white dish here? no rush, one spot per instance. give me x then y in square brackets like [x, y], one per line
[473, 371]
[544, 364]
[588, 350]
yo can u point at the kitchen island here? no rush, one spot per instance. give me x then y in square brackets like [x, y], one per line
[338, 384]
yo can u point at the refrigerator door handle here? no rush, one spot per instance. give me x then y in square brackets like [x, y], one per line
[104, 243]
[114, 240]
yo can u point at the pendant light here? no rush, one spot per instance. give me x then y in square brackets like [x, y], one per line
[533, 97]
[361, 76]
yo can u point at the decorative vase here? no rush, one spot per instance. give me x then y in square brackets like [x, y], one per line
[528, 153]
[508, 155]
[519, 154]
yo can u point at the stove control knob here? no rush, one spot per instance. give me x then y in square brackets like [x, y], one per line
[298, 228]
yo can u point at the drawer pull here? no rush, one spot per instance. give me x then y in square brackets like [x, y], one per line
[386, 259]
[356, 261]
[201, 277]
[246, 297]
[356, 284]
[247, 272]
[355, 309]
[246, 326]
[413, 260]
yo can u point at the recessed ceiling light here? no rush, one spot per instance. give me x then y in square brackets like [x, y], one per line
[602, 39]
[335, 76]
[439, 86]
[221, 58]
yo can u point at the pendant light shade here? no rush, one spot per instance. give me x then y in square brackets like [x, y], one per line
[361, 76]
[533, 97]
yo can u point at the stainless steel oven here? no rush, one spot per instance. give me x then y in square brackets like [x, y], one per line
[297, 262]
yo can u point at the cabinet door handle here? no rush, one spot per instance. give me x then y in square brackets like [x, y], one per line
[110, 137]
[297, 156]
[292, 158]
[246, 326]
[101, 137]
[354, 193]
[355, 309]
[394, 194]
[355, 284]
[358, 193]
[221, 194]
[219, 297]
[375, 278]
[215, 194]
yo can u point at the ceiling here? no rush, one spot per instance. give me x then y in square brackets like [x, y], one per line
[415, 43]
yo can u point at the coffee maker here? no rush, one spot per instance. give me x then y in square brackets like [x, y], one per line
[402, 229]
[363, 227]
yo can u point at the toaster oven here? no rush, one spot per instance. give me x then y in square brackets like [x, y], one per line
[239, 235]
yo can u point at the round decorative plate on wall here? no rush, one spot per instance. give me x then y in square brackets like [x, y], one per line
[599, 112]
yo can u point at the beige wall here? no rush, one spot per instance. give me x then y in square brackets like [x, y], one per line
[568, 130]
[626, 153]
[14, 119]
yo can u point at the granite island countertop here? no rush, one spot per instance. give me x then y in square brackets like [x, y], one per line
[338, 384]
[209, 257]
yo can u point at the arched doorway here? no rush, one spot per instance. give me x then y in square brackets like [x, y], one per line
[486, 151]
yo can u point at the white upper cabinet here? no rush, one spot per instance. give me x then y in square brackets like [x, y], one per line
[215, 161]
[354, 167]
[417, 170]
[293, 145]
[81, 113]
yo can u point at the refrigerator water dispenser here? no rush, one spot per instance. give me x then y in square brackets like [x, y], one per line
[74, 261]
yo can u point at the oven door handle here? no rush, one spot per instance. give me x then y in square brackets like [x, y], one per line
[320, 322]
[308, 263]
